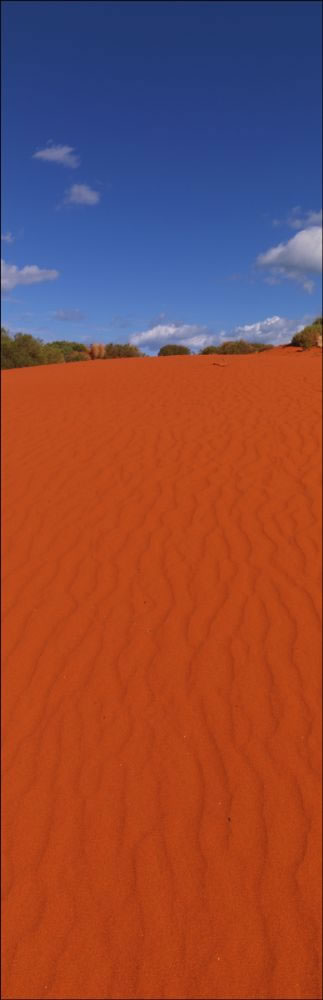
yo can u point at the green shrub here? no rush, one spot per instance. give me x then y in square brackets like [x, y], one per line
[71, 350]
[22, 351]
[235, 347]
[76, 356]
[122, 351]
[308, 337]
[8, 359]
[53, 355]
[169, 349]
[242, 347]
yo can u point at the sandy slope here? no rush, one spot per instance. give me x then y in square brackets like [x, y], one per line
[161, 692]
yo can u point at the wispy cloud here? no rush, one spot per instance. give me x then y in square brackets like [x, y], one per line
[7, 238]
[63, 155]
[29, 275]
[69, 315]
[300, 220]
[299, 257]
[81, 194]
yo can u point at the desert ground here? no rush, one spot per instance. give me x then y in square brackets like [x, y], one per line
[161, 559]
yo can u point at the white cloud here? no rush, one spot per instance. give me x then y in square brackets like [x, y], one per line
[64, 155]
[300, 220]
[274, 330]
[81, 194]
[190, 335]
[301, 255]
[69, 315]
[30, 275]
[7, 238]
[297, 221]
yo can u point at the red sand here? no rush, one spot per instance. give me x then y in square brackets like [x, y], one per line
[161, 691]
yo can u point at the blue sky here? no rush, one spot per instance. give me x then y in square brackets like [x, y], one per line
[176, 194]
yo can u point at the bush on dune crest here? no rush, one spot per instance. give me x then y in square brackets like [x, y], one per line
[7, 352]
[71, 350]
[310, 336]
[96, 352]
[260, 347]
[21, 351]
[24, 351]
[52, 355]
[101, 352]
[169, 349]
[122, 351]
[237, 347]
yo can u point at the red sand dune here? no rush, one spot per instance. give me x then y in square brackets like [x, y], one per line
[161, 679]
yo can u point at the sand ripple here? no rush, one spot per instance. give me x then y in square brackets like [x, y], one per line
[161, 679]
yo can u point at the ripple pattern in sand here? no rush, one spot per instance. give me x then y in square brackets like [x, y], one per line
[161, 682]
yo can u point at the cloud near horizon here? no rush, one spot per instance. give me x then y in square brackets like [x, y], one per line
[81, 194]
[275, 330]
[64, 155]
[300, 256]
[29, 275]
[191, 335]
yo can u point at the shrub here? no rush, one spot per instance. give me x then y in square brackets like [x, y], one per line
[308, 337]
[68, 345]
[72, 350]
[169, 349]
[23, 351]
[122, 351]
[8, 359]
[235, 347]
[260, 347]
[96, 352]
[53, 355]
[77, 356]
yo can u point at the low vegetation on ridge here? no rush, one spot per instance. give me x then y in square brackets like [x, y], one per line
[310, 336]
[23, 350]
[168, 349]
[236, 347]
